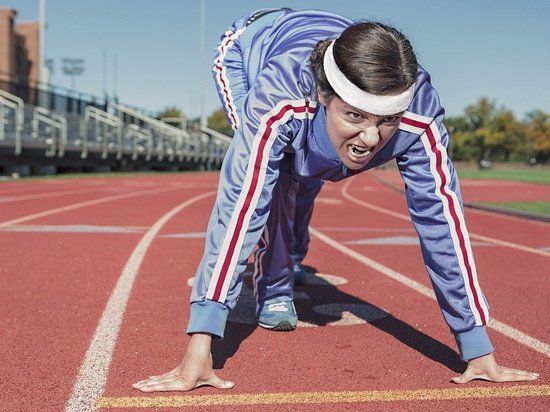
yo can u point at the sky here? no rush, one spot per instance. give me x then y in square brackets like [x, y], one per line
[148, 52]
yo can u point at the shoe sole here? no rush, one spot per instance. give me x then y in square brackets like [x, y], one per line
[283, 326]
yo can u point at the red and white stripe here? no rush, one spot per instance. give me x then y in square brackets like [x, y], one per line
[414, 123]
[431, 139]
[221, 77]
[251, 190]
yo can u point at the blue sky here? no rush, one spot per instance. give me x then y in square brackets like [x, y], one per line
[472, 48]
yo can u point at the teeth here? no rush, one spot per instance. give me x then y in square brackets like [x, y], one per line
[359, 151]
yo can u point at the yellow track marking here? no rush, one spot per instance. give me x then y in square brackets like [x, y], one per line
[322, 397]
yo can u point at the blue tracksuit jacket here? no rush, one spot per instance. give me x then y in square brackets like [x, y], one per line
[269, 94]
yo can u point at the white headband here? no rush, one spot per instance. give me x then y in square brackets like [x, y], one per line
[353, 95]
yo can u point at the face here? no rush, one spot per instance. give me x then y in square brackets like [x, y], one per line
[357, 135]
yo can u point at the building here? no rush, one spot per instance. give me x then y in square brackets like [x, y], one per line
[45, 129]
[19, 51]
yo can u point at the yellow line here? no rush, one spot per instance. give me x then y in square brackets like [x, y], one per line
[322, 397]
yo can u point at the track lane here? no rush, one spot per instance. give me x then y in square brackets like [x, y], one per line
[361, 357]
[94, 370]
[494, 267]
[55, 296]
[79, 205]
[388, 356]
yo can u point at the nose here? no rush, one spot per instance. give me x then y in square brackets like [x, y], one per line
[370, 136]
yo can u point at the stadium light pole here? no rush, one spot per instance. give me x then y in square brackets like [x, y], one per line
[43, 76]
[201, 66]
[43, 66]
[73, 68]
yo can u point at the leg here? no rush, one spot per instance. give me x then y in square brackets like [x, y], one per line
[273, 263]
[307, 192]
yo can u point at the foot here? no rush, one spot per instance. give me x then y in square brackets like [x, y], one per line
[300, 274]
[278, 316]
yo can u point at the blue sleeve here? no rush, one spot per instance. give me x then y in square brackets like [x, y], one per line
[435, 206]
[242, 206]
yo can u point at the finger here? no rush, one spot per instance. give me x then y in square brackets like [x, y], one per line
[515, 375]
[519, 372]
[501, 375]
[175, 384]
[152, 380]
[158, 377]
[218, 383]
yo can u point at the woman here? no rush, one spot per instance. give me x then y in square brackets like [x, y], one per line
[312, 96]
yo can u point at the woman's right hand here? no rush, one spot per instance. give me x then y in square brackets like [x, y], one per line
[195, 370]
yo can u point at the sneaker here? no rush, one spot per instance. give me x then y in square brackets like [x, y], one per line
[278, 316]
[300, 274]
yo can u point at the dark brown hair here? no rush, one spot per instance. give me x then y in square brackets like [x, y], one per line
[376, 58]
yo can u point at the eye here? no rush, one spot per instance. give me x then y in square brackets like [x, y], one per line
[391, 119]
[354, 116]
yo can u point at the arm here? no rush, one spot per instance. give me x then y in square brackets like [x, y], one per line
[435, 206]
[248, 176]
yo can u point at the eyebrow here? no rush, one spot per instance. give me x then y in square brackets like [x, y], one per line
[362, 112]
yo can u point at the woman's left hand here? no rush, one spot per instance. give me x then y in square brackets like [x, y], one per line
[486, 368]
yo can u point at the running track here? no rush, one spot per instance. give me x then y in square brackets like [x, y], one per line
[95, 279]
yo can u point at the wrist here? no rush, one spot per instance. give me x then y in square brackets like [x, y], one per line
[474, 343]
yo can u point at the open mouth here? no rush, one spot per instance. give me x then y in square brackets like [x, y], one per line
[359, 152]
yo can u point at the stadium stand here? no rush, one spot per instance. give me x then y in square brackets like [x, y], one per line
[46, 132]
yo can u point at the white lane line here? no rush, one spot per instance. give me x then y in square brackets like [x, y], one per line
[506, 330]
[92, 376]
[511, 245]
[48, 194]
[80, 205]
[73, 229]
[403, 216]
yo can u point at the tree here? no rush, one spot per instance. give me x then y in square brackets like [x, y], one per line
[170, 111]
[218, 121]
[491, 132]
[508, 138]
[538, 135]
[459, 147]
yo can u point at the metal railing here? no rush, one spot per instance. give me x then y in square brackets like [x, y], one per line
[219, 143]
[111, 135]
[12, 116]
[139, 137]
[53, 131]
[167, 140]
[106, 130]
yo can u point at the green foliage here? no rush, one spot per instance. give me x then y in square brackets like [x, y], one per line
[218, 121]
[538, 135]
[488, 132]
[170, 111]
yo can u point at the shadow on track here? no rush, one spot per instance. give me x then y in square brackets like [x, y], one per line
[326, 305]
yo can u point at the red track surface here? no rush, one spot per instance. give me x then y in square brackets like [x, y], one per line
[60, 264]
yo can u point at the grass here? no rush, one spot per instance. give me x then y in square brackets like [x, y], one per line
[513, 172]
[532, 175]
[540, 208]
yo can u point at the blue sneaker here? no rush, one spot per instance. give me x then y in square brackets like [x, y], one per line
[300, 274]
[278, 316]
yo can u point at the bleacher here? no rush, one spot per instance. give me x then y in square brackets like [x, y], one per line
[47, 132]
